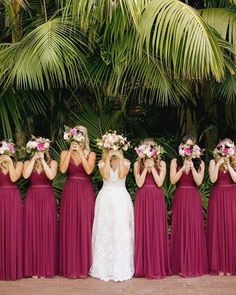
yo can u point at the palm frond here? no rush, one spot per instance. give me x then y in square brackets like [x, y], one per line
[184, 43]
[226, 27]
[51, 55]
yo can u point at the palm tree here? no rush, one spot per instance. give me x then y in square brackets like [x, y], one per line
[140, 50]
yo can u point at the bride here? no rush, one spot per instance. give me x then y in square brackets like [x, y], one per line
[113, 227]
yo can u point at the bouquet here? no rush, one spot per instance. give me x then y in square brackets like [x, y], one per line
[147, 151]
[113, 141]
[73, 134]
[225, 148]
[189, 152]
[37, 144]
[7, 147]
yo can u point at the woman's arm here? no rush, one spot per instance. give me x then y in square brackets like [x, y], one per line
[139, 178]
[105, 168]
[89, 163]
[124, 166]
[159, 178]
[29, 166]
[64, 160]
[232, 172]
[214, 169]
[174, 174]
[50, 171]
[15, 172]
[198, 175]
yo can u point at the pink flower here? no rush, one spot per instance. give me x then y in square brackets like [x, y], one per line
[231, 151]
[40, 147]
[225, 150]
[73, 131]
[154, 153]
[11, 148]
[187, 151]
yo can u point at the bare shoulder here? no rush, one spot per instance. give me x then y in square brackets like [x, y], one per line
[63, 153]
[92, 155]
[136, 164]
[173, 161]
[26, 163]
[202, 163]
[162, 163]
[127, 163]
[53, 162]
[20, 164]
[101, 164]
[212, 162]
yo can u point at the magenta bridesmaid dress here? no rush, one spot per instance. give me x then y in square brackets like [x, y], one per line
[40, 228]
[188, 252]
[11, 217]
[151, 232]
[221, 226]
[77, 212]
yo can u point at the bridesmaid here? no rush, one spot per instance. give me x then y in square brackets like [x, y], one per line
[221, 233]
[40, 213]
[188, 254]
[77, 205]
[11, 215]
[151, 231]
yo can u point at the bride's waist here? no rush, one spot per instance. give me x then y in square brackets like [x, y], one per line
[114, 184]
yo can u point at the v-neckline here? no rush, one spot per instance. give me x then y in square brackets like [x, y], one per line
[5, 174]
[187, 173]
[77, 165]
[114, 170]
[38, 172]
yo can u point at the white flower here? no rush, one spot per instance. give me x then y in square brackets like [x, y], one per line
[46, 145]
[231, 151]
[66, 136]
[31, 144]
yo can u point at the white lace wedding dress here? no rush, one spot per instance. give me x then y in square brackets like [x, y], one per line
[113, 231]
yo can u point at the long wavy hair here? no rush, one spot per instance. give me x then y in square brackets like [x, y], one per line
[197, 161]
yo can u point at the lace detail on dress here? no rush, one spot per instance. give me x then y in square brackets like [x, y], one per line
[113, 232]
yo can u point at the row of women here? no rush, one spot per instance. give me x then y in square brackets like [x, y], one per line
[117, 242]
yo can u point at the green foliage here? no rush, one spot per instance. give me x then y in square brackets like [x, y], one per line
[146, 68]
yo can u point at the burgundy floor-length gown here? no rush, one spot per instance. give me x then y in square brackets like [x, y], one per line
[221, 226]
[40, 228]
[188, 253]
[151, 231]
[11, 217]
[76, 220]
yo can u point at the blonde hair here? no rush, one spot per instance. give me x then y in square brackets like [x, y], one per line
[85, 134]
[104, 154]
[232, 160]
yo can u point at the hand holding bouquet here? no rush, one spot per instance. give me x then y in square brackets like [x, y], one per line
[73, 134]
[189, 152]
[37, 145]
[225, 148]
